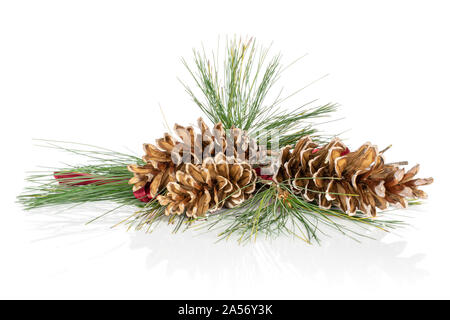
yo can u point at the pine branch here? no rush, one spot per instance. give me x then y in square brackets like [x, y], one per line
[108, 177]
[237, 94]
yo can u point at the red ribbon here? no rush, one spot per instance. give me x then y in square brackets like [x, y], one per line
[82, 179]
[77, 179]
[262, 176]
[143, 194]
[346, 151]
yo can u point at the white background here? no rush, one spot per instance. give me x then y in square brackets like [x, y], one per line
[97, 71]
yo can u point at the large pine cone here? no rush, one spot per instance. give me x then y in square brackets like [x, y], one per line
[352, 181]
[218, 182]
[168, 156]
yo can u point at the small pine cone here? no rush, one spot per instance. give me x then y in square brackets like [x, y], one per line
[334, 176]
[165, 158]
[217, 182]
[159, 169]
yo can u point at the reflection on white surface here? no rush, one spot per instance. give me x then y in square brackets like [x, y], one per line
[335, 258]
[228, 267]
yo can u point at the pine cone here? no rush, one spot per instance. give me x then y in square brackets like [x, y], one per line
[217, 182]
[159, 169]
[168, 156]
[334, 176]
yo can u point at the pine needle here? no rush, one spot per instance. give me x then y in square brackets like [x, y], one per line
[107, 174]
[237, 94]
[266, 214]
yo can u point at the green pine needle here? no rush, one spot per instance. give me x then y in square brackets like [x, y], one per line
[107, 166]
[236, 95]
[265, 214]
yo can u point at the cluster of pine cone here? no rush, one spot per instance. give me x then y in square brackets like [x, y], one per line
[204, 172]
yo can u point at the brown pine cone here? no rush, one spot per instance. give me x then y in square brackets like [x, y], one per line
[159, 169]
[352, 181]
[169, 155]
[217, 182]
